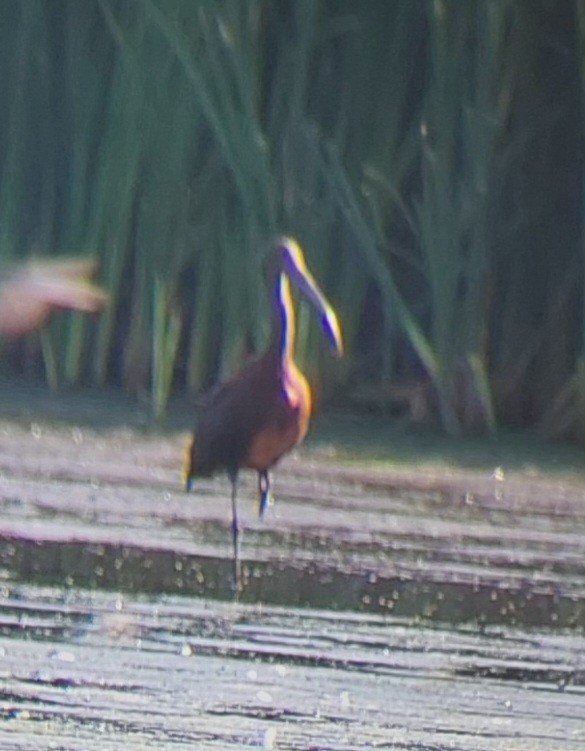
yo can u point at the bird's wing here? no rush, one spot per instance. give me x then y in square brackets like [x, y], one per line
[232, 414]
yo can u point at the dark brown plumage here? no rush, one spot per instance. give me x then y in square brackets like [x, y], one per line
[260, 414]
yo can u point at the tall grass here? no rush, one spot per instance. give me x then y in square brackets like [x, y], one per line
[563, 412]
[407, 144]
[463, 124]
[451, 143]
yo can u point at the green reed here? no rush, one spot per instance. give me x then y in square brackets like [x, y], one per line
[404, 143]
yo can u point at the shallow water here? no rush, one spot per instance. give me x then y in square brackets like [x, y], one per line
[384, 608]
[98, 671]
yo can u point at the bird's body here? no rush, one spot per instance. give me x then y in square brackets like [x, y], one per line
[249, 423]
[262, 412]
[253, 419]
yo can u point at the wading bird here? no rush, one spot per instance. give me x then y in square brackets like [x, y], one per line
[30, 292]
[254, 418]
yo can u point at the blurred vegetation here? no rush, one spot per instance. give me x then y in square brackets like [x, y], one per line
[428, 155]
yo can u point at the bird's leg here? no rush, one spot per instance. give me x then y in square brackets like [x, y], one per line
[266, 498]
[237, 585]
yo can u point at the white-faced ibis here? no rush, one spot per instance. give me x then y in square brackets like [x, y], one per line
[260, 414]
[30, 292]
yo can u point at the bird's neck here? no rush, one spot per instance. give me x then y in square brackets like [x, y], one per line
[283, 338]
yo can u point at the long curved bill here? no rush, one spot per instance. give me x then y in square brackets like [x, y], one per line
[295, 267]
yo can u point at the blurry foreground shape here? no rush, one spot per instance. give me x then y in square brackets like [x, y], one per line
[29, 293]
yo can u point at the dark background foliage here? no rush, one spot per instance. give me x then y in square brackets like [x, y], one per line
[427, 155]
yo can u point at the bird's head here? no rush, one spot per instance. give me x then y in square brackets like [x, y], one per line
[290, 260]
